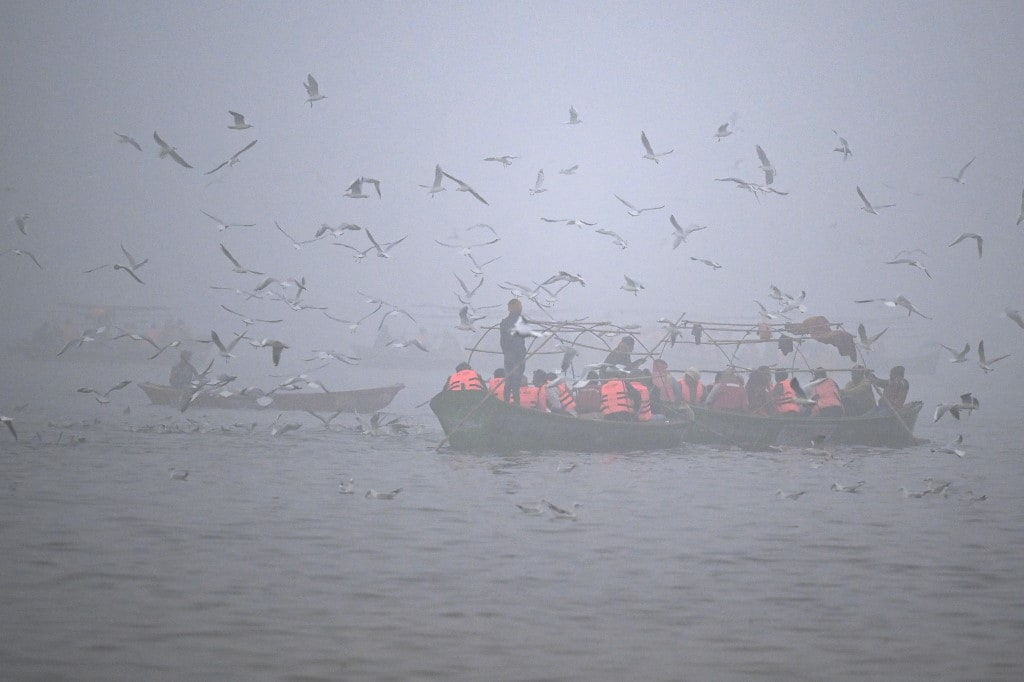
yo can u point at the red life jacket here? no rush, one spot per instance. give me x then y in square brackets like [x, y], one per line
[826, 393]
[731, 397]
[466, 380]
[645, 413]
[565, 398]
[534, 397]
[689, 399]
[496, 385]
[614, 399]
[784, 398]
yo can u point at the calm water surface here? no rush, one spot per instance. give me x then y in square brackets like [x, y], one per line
[681, 565]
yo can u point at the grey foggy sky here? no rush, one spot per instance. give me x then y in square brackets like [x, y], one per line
[917, 89]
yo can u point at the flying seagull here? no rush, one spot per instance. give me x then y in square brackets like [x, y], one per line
[574, 118]
[631, 285]
[844, 146]
[436, 187]
[9, 423]
[578, 222]
[538, 186]
[222, 225]
[276, 348]
[22, 252]
[968, 403]
[633, 210]
[987, 364]
[766, 165]
[103, 396]
[649, 152]
[868, 207]
[312, 90]
[865, 340]
[958, 357]
[1015, 315]
[463, 187]
[505, 160]
[239, 123]
[723, 131]
[969, 235]
[680, 234]
[571, 170]
[959, 177]
[238, 267]
[168, 150]
[234, 158]
[128, 139]
[910, 261]
[710, 263]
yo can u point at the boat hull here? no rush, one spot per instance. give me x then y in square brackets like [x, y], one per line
[364, 400]
[892, 429]
[475, 420]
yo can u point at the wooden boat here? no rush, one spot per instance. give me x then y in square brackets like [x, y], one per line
[476, 420]
[888, 429]
[363, 400]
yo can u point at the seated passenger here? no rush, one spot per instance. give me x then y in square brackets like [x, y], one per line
[825, 394]
[728, 393]
[619, 400]
[588, 396]
[496, 384]
[465, 379]
[535, 395]
[666, 388]
[559, 396]
[693, 390]
[784, 395]
[759, 391]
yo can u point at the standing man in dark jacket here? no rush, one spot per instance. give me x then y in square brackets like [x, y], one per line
[513, 347]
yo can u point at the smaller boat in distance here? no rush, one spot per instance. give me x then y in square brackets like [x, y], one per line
[476, 420]
[361, 400]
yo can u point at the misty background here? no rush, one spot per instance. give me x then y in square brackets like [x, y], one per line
[917, 89]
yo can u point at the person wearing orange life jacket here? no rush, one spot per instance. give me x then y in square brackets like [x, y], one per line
[465, 379]
[559, 396]
[728, 393]
[785, 394]
[825, 394]
[666, 388]
[535, 395]
[693, 391]
[620, 401]
[643, 412]
[496, 384]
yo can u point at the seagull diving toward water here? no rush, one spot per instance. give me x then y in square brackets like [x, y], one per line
[168, 150]
[844, 146]
[633, 210]
[538, 186]
[969, 235]
[766, 165]
[680, 234]
[234, 158]
[128, 139]
[355, 190]
[968, 403]
[723, 131]
[868, 207]
[649, 152]
[959, 177]
[631, 285]
[312, 90]
[463, 187]
[909, 261]
[958, 357]
[238, 267]
[987, 364]
[574, 118]
[239, 123]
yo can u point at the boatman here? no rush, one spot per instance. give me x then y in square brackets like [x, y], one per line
[183, 373]
[513, 348]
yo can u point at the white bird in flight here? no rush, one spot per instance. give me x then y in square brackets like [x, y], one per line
[710, 263]
[312, 90]
[223, 225]
[958, 357]
[723, 131]
[1015, 315]
[9, 423]
[463, 187]
[571, 170]
[436, 187]
[128, 139]
[355, 190]
[910, 261]
[633, 210]
[23, 252]
[633, 286]
[766, 165]
[239, 123]
[504, 160]
[865, 340]
[574, 118]
[237, 266]
[234, 158]
[649, 152]
[868, 207]
[168, 150]
[959, 177]
[984, 363]
[538, 186]
[680, 234]
[969, 235]
[844, 146]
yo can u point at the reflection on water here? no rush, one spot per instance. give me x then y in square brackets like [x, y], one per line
[680, 565]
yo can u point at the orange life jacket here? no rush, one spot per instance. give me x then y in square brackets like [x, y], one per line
[496, 385]
[826, 393]
[614, 399]
[565, 398]
[665, 384]
[689, 399]
[732, 397]
[465, 380]
[784, 398]
[645, 413]
[534, 397]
